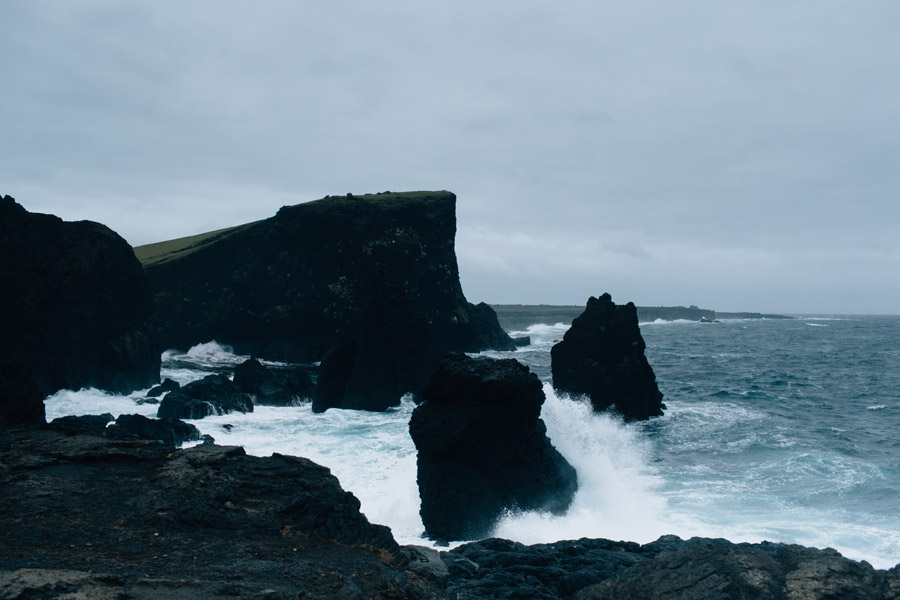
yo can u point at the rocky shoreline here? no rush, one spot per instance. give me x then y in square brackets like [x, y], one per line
[89, 517]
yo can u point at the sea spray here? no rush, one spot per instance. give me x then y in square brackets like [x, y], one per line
[617, 489]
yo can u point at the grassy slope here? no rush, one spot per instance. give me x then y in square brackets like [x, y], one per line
[161, 252]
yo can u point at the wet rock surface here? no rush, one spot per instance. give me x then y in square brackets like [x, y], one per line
[667, 569]
[275, 386]
[483, 449]
[213, 395]
[125, 518]
[602, 357]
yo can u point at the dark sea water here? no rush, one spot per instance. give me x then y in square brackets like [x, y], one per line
[777, 430]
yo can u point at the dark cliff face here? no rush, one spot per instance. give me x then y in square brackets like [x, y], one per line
[74, 310]
[370, 280]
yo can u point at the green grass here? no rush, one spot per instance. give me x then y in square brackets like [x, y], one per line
[160, 252]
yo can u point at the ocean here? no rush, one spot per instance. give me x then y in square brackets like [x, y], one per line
[780, 430]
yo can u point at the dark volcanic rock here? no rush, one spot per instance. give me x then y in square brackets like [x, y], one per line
[212, 395]
[171, 432]
[75, 311]
[483, 449]
[134, 519]
[274, 386]
[21, 400]
[166, 386]
[602, 356]
[379, 270]
[668, 569]
[82, 424]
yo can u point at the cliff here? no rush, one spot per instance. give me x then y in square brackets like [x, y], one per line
[74, 312]
[367, 284]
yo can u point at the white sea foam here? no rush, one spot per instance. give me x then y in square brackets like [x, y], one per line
[617, 492]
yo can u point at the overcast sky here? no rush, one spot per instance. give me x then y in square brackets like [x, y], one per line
[733, 155]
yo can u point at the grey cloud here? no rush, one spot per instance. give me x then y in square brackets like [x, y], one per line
[692, 152]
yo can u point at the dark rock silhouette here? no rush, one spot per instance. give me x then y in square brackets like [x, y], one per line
[74, 311]
[212, 395]
[82, 424]
[483, 449]
[171, 432]
[602, 356]
[342, 272]
[274, 386]
[667, 569]
[166, 386]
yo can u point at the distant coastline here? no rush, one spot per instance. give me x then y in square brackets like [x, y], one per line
[515, 317]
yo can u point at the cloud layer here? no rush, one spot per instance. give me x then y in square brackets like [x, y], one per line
[741, 156]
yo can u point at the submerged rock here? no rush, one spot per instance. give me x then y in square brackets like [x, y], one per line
[602, 357]
[274, 386]
[376, 275]
[212, 395]
[483, 449]
[75, 312]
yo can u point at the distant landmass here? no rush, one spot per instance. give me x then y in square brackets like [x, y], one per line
[516, 317]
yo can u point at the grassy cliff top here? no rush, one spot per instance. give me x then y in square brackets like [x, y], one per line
[161, 252]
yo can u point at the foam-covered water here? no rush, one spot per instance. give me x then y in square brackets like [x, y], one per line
[774, 430]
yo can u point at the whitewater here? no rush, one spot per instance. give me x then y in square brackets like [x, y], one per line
[775, 430]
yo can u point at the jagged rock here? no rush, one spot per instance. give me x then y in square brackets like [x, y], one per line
[483, 449]
[82, 424]
[602, 357]
[668, 569]
[129, 518]
[171, 432]
[75, 311]
[377, 270]
[166, 386]
[274, 386]
[212, 395]
[522, 341]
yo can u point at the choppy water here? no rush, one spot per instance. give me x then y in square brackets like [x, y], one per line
[778, 430]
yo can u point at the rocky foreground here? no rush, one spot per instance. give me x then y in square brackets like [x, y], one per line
[88, 517]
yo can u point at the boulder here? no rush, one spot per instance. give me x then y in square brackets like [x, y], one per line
[75, 311]
[170, 432]
[82, 424]
[602, 357]
[274, 386]
[166, 386]
[483, 449]
[212, 395]
[376, 275]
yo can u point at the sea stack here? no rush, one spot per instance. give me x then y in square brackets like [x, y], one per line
[74, 312]
[483, 448]
[369, 285]
[602, 357]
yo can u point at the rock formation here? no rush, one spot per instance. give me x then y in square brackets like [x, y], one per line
[667, 569]
[86, 516]
[212, 395]
[74, 312]
[369, 280]
[274, 386]
[483, 449]
[602, 357]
